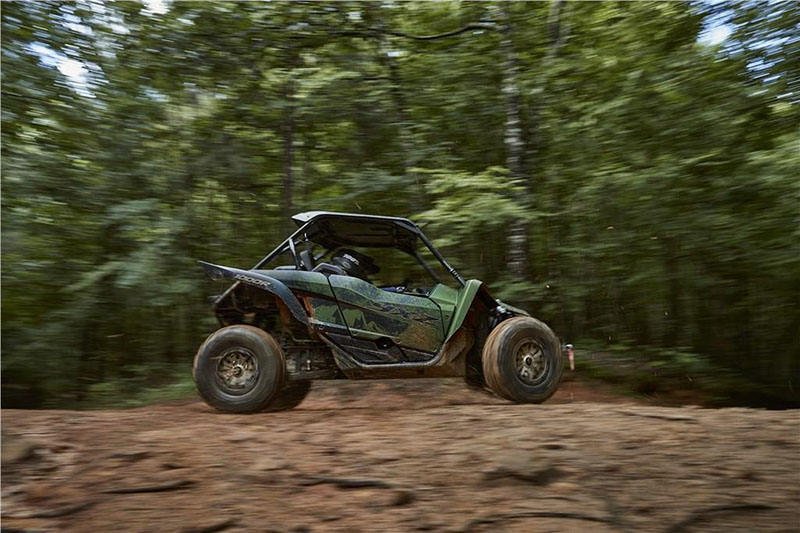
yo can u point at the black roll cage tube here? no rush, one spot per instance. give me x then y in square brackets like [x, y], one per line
[297, 262]
[289, 243]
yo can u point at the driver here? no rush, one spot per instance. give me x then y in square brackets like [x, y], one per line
[355, 263]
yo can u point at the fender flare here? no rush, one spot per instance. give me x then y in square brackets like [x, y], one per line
[473, 289]
[464, 301]
[267, 283]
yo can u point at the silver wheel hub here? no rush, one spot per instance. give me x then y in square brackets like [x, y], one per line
[237, 370]
[531, 362]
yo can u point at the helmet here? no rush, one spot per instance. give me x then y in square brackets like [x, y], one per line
[355, 263]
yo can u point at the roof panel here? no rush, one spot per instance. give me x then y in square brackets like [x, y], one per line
[333, 230]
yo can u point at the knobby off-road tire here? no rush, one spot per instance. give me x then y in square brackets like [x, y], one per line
[239, 369]
[522, 360]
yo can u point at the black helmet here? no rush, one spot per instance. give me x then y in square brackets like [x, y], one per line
[355, 263]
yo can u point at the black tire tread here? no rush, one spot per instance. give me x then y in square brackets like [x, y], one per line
[495, 360]
[256, 404]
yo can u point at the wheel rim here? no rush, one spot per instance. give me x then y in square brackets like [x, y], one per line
[237, 371]
[531, 362]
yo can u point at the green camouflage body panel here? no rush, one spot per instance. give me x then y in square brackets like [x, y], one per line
[320, 296]
[327, 311]
[446, 297]
[409, 320]
[300, 280]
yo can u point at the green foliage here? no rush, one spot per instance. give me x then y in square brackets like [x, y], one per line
[477, 205]
[134, 388]
[660, 187]
[675, 375]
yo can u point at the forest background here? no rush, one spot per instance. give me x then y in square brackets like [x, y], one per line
[626, 171]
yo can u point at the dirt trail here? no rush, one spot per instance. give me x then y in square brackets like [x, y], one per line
[418, 455]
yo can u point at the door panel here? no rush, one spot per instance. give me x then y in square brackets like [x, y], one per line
[445, 297]
[315, 291]
[370, 313]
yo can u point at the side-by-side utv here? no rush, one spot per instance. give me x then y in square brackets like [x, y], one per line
[358, 300]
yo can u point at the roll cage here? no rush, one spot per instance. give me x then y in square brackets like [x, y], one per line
[332, 230]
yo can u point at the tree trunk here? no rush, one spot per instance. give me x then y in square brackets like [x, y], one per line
[287, 183]
[307, 166]
[520, 143]
[555, 29]
[672, 274]
[514, 146]
[406, 137]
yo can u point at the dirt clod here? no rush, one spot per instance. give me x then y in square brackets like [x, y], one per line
[15, 449]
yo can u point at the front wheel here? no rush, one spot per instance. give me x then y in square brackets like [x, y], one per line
[239, 369]
[522, 360]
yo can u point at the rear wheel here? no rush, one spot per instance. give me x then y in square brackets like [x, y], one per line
[522, 360]
[239, 369]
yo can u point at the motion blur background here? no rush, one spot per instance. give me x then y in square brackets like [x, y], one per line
[627, 171]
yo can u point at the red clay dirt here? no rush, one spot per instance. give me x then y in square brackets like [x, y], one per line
[421, 455]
